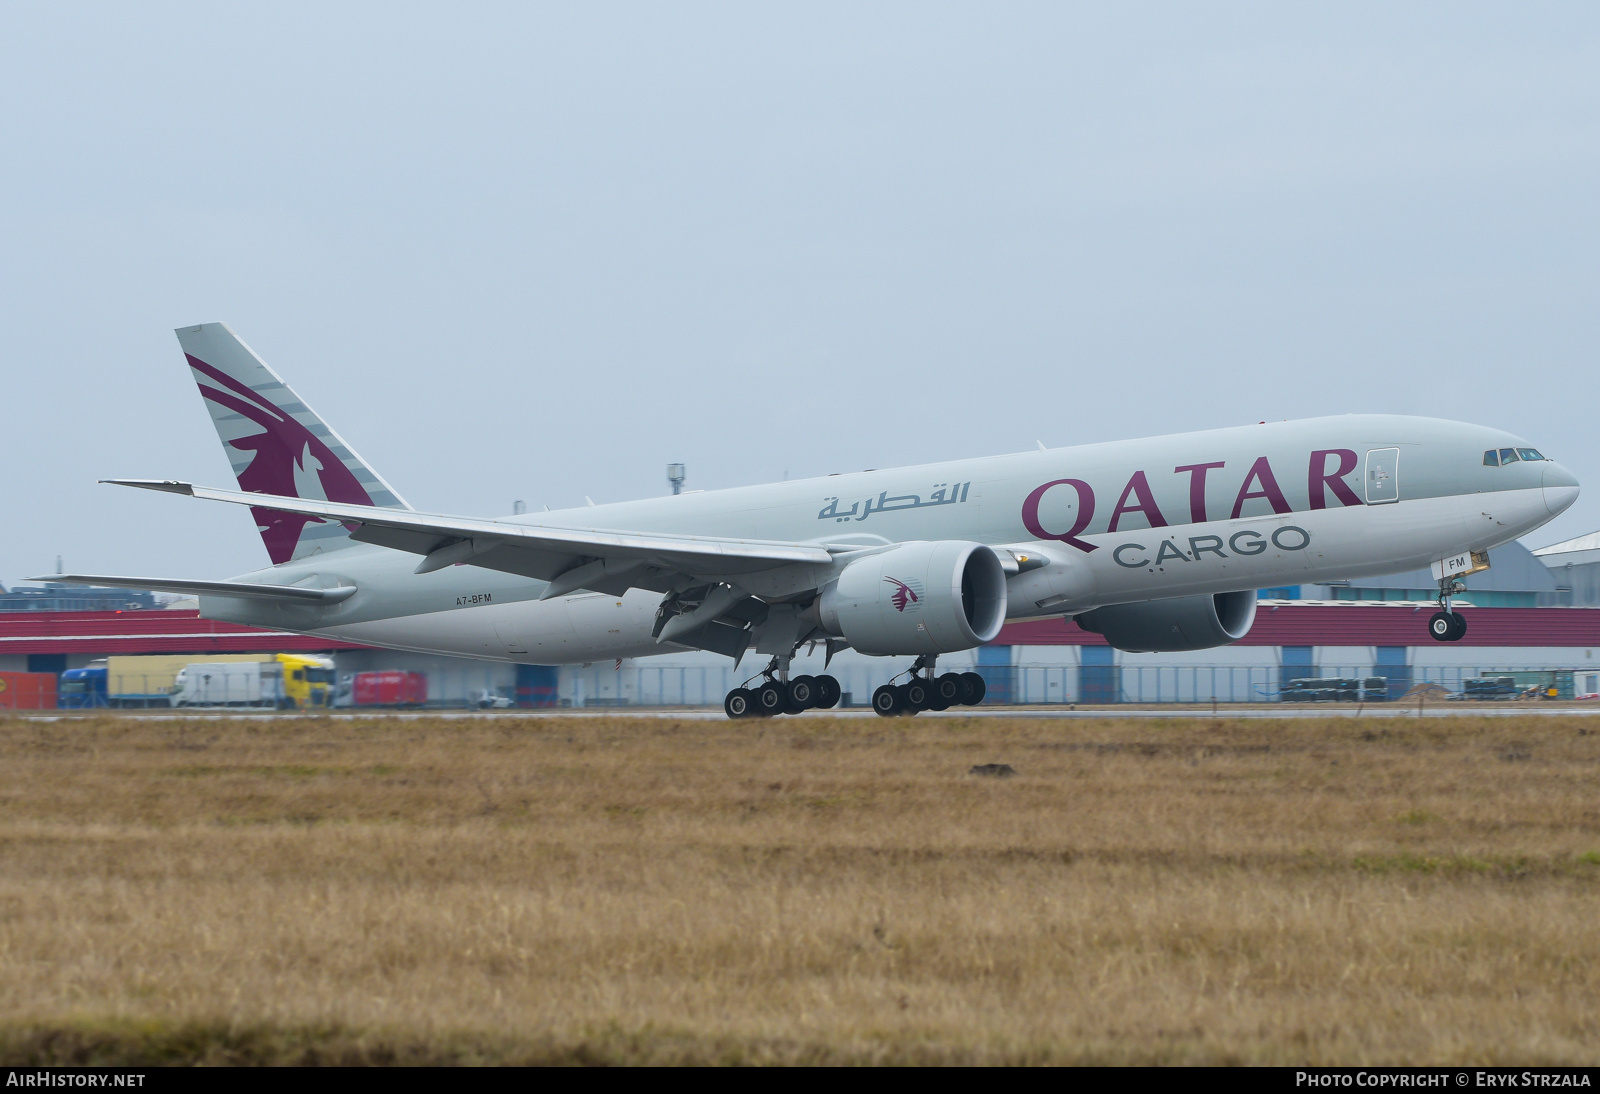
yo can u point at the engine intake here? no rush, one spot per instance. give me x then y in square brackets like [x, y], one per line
[923, 597]
[1180, 623]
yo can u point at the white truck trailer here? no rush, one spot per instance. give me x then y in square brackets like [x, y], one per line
[148, 680]
[231, 684]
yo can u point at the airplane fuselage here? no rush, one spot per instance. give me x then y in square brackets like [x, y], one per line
[1218, 511]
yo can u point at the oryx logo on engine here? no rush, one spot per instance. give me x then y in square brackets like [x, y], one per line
[906, 594]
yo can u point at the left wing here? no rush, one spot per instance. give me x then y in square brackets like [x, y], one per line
[569, 558]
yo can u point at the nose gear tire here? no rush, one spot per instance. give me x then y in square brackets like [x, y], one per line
[1447, 626]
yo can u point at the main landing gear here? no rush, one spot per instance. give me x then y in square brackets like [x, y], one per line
[777, 694]
[1445, 625]
[925, 691]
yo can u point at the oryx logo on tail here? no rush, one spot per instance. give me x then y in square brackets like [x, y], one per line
[289, 461]
[278, 445]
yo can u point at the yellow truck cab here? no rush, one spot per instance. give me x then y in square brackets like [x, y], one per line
[307, 680]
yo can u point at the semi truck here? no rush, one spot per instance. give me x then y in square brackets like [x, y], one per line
[82, 689]
[147, 680]
[134, 680]
[288, 681]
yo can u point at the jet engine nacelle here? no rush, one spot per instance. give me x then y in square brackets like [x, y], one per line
[1181, 623]
[936, 597]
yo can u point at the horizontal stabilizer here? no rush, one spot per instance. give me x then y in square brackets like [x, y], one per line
[208, 588]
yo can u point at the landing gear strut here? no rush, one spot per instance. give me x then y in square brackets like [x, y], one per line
[925, 691]
[776, 693]
[1445, 625]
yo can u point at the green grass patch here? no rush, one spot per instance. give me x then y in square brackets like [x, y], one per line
[271, 771]
[1506, 866]
[1416, 816]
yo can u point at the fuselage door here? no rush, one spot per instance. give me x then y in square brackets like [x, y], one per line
[1383, 475]
[532, 626]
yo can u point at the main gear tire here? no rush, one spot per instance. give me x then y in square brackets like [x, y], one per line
[802, 694]
[973, 689]
[919, 696]
[828, 693]
[739, 703]
[771, 699]
[886, 700]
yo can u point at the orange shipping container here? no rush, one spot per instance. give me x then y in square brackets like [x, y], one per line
[27, 691]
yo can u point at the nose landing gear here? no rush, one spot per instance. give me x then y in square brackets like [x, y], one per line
[925, 691]
[1446, 625]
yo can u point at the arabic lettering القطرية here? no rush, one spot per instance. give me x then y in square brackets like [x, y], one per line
[946, 494]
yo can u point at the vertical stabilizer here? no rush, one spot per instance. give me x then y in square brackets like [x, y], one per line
[278, 445]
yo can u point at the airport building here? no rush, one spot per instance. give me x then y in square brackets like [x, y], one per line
[1533, 620]
[54, 597]
[1574, 564]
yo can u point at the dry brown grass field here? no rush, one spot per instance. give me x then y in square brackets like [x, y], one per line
[507, 890]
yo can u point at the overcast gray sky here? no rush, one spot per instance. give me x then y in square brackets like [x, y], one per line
[537, 252]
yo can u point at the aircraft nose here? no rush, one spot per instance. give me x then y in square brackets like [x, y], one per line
[1560, 489]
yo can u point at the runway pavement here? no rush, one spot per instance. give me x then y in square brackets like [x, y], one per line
[1254, 711]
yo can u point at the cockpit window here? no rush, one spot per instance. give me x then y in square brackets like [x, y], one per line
[1500, 457]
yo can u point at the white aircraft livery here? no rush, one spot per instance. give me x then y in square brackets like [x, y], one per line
[1156, 544]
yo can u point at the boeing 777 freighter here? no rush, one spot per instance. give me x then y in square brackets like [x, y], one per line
[1157, 544]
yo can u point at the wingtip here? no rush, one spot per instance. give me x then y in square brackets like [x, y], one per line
[170, 486]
